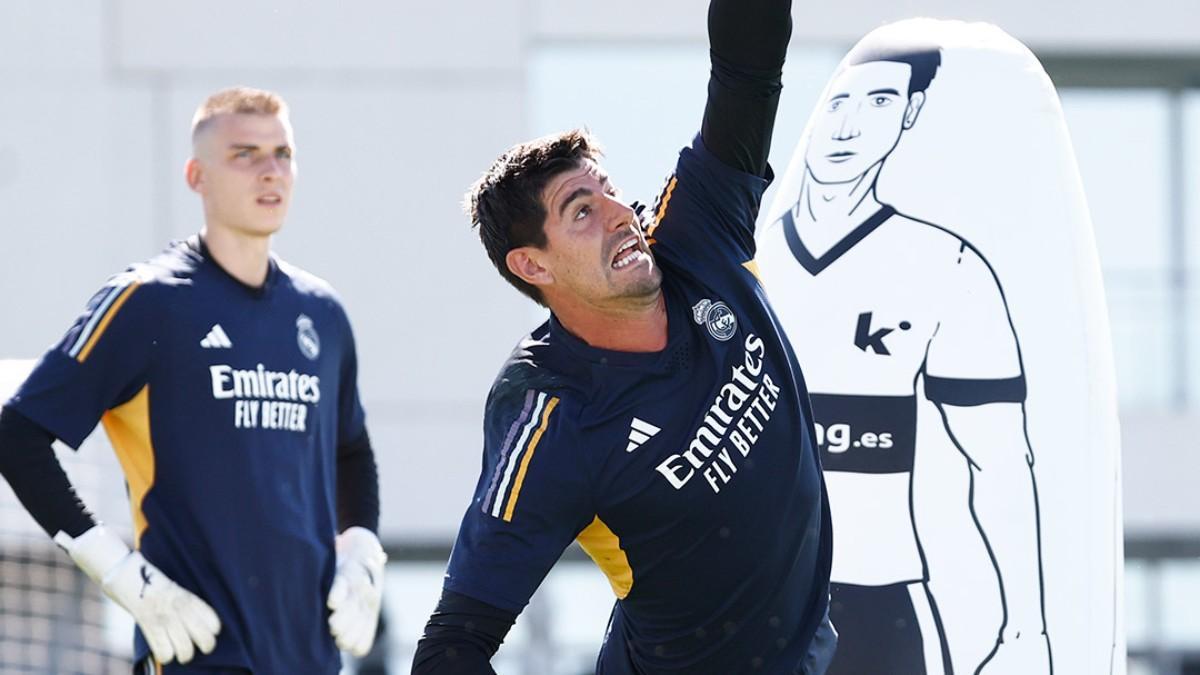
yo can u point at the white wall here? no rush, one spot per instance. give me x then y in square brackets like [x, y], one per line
[397, 106]
[1158, 26]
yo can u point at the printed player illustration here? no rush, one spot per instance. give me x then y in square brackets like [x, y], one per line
[883, 307]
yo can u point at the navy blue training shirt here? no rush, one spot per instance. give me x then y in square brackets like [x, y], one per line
[225, 405]
[689, 475]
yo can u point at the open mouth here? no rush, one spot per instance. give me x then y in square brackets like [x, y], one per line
[271, 199]
[627, 254]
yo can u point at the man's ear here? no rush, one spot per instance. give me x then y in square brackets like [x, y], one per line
[914, 108]
[193, 173]
[526, 263]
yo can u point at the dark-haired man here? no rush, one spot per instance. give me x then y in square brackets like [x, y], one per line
[659, 417]
[878, 302]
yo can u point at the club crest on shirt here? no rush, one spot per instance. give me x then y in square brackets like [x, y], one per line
[717, 316]
[307, 338]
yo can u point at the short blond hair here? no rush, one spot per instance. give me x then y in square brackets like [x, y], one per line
[238, 100]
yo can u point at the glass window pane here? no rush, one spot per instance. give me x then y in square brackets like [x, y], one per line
[1180, 588]
[1191, 191]
[1139, 312]
[1121, 140]
[1137, 584]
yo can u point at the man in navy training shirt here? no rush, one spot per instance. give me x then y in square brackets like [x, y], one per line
[659, 417]
[226, 380]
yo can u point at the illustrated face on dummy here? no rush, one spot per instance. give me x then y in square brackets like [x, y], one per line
[861, 122]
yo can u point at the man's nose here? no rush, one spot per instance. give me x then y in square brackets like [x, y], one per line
[617, 213]
[273, 168]
[848, 128]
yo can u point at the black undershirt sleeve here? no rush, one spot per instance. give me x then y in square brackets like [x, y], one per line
[461, 637]
[357, 485]
[28, 463]
[748, 42]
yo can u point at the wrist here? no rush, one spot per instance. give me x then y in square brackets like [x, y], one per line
[97, 551]
[357, 539]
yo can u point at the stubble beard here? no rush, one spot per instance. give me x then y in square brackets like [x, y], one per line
[646, 286]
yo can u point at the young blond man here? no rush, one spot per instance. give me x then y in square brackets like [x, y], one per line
[226, 381]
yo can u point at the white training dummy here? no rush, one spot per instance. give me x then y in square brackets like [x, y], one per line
[930, 256]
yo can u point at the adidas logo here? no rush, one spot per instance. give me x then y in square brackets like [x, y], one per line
[216, 339]
[640, 431]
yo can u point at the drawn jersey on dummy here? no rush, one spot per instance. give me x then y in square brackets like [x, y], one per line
[905, 299]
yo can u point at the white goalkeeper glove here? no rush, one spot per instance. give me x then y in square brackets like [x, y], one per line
[357, 590]
[172, 619]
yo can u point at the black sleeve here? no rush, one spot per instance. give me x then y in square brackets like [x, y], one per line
[461, 637]
[28, 463]
[748, 42]
[357, 485]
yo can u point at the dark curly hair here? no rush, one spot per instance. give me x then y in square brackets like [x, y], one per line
[506, 202]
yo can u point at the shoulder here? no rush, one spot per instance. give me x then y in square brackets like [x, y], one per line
[150, 285]
[530, 366]
[948, 260]
[938, 240]
[700, 173]
[313, 289]
[532, 377]
[307, 283]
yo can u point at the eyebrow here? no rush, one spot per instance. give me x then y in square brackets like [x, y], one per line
[834, 98]
[251, 146]
[893, 92]
[579, 192]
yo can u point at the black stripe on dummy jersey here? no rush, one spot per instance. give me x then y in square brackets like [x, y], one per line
[865, 434]
[961, 392]
[816, 265]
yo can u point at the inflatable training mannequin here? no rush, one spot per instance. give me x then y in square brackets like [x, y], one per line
[931, 257]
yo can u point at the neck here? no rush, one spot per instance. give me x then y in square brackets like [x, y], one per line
[839, 207]
[639, 327]
[245, 257]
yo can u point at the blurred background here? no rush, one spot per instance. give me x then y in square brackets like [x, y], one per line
[397, 107]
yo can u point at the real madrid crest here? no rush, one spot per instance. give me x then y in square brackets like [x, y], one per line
[717, 316]
[307, 338]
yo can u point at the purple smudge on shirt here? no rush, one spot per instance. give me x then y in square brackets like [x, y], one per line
[508, 440]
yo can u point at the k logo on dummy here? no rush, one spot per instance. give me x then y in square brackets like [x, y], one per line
[920, 264]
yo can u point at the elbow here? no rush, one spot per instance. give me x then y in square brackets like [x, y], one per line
[1002, 458]
[441, 656]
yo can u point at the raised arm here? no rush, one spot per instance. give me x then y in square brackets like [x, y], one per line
[748, 41]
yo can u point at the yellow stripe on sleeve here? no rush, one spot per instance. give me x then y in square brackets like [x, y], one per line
[752, 266]
[537, 436]
[662, 206]
[128, 427]
[108, 317]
